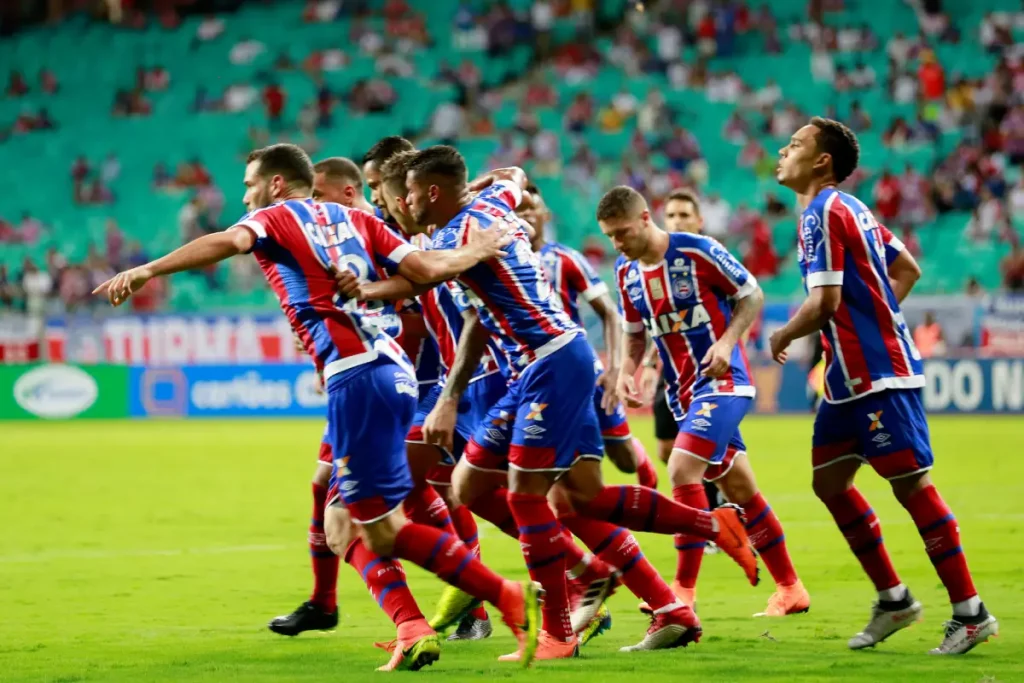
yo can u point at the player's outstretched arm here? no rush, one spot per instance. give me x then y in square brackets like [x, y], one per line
[394, 288]
[513, 174]
[903, 275]
[198, 253]
[717, 360]
[437, 265]
[814, 313]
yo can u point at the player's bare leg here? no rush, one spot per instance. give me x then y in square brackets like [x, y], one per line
[629, 456]
[766, 535]
[971, 624]
[895, 608]
[444, 555]
[320, 612]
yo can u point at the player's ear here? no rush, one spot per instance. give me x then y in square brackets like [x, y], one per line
[822, 162]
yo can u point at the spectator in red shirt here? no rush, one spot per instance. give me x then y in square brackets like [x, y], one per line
[16, 85]
[48, 82]
[931, 77]
[760, 258]
[274, 99]
[887, 196]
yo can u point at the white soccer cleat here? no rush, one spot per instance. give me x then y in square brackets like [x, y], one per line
[677, 628]
[594, 595]
[886, 619]
[961, 638]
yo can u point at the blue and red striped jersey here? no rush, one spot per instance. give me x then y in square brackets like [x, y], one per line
[684, 304]
[867, 344]
[299, 243]
[511, 294]
[443, 308]
[572, 277]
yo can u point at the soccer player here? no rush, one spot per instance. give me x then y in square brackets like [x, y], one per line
[336, 180]
[301, 244]
[574, 279]
[546, 418]
[856, 273]
[696, 301]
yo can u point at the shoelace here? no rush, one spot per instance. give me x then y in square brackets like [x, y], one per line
[951, 627]
[387, 646]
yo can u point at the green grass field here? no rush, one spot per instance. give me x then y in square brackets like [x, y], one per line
[136, 551]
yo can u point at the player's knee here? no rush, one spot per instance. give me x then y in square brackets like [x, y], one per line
[380, 536]
[737, 489]
[622, 455]
[322, 476]
[685, 469]
[665, 450]
[338, 531]
[904, 488]
[828, 485]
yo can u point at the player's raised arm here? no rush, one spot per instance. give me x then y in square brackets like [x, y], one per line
[512, 174]
[198, 253]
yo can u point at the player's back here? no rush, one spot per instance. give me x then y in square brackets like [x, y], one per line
[572, 277]
[511, 294]
[300, 244]
[868, 346]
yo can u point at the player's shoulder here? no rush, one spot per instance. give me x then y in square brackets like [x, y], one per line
[560, 250]
[683, 242]
[624, 266]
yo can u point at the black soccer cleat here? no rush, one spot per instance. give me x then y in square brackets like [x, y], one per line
[308, 617]
[471, 628]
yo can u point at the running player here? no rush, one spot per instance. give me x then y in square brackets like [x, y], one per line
[546, 419]
[574, 279]
[300, 244]
[696, 301]
[856, 273]
[336, 180]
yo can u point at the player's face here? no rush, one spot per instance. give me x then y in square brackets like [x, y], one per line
[797, 159]
[372, 176]
[419, 198]
[535, 212]
[328, 190]
[682, 216]
[628, 235]
[399, 210]
[257, 188]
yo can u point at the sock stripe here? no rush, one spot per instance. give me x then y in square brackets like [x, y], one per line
[387, 589]
[771, 544]
[936, 524]
[852, 525]
[318, 523]
[471, 539]
[429, 564]
[462, 565]
[600, 547]
[938, 559]
[631, 562]
[538, 528]
[867, 547]
[321, 554]
[761, 515]
[537, 564]
[371, 565]
[649, 524]
[616, 515]
[690, 546]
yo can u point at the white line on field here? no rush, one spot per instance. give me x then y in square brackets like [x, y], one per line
[107, 554]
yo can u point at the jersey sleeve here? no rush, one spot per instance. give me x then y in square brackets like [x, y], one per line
[582, 277]
[387, 246]
[893, 244]
[821, 229]
[504, 191]
[260, 224]
[725, 272]
[631, 320]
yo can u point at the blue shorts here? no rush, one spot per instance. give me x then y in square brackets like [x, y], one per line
[888, 430]
[369, 410]
[476, 401]
[710, 431]
[547, 418]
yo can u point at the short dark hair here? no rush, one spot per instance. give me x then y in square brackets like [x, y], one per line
[394, 170]
[840, 143]
[288, 161]
[684, 195]
[440, 160]
[387, 148]
[340, 168]
[620, 202]
[533, 189]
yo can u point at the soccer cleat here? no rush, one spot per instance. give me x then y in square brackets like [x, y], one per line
[599, 624]
[887, 617]
[677, 628]
[417, 646]
[964, 633]
[471, 628]
[591, 599]
[687, 596]
[733, 540]
[711, 548]
[787, 600]
[520, 610]
[548, 647]
[452, 608]
[307, 617]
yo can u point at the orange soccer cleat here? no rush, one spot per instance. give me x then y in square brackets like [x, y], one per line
[787, 600]
[732, 539]
[417, 646]
[548, 647]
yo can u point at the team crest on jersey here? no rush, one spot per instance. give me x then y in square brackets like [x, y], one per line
[682, 286]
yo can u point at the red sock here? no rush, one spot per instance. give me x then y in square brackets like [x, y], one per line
[766, 536]
[690, 548]
[423, 505]
[646, 474]
[938, 528]
[540, 536]
[325, 563]
[617, 547]
[494, 507]
[643, 509]
[386, 580]
[445, 555]
[465, 527]
[595, 568]
[863, 533]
